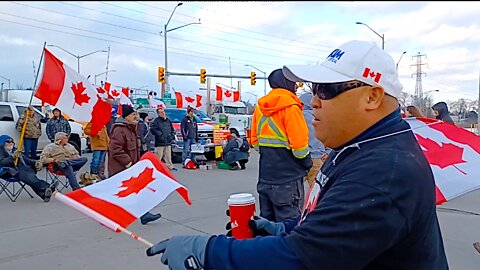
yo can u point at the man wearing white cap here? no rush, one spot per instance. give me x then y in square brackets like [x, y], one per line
[373, 203]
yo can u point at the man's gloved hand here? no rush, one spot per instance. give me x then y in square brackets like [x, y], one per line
[17, 154]
[182, 252]
[38, 166]
[260, 226]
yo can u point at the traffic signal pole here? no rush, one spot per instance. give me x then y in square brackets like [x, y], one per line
[214, 75]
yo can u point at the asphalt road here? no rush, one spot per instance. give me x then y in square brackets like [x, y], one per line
[37, 235]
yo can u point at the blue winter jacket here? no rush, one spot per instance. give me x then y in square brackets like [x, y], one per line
[376, 210]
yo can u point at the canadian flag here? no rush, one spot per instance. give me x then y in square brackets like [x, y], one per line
[224, 94]
[369, 74]
[72, 93]
[183, 100]
[155, 103]
[125, 197]
[453, 154]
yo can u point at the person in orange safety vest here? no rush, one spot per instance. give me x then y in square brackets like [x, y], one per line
[280, 134]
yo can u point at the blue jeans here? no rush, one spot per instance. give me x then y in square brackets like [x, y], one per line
[68, 167]
[30, 148]
[187, 146]
[98, 158]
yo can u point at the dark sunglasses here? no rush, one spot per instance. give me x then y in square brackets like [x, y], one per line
[9, 141]
[327, 91]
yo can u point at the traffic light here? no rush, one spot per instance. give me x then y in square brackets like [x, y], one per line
[203, 76]
[161, 75]
[253, 78]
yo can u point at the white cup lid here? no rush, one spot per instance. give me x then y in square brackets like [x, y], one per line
[240, 199]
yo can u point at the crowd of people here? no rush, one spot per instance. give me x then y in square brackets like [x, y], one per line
[371, 192]
[372, 202]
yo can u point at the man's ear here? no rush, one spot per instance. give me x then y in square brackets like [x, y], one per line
[375, 96]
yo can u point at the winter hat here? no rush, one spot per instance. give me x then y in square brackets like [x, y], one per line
[4, 139]
[57, 109]
[59, 135]
[276, 79]
[354, 60]
[127, 110]
[189, 109]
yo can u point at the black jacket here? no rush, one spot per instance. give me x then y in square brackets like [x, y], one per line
[376, 211]
[7, 161]
[163, 131]
[189, 128]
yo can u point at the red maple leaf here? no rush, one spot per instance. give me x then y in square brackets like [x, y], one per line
[443, 155]
[228, 94]
[189, 99]
[78, 90]
[115, 93]
[100, 90]
[136, 184]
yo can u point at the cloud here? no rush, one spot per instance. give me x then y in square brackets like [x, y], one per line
[15, 41]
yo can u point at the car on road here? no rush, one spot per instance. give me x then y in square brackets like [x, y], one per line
[176, 115]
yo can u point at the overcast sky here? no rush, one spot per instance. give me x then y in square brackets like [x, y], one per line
[266, 35]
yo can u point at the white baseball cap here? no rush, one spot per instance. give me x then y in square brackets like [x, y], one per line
[354, 60]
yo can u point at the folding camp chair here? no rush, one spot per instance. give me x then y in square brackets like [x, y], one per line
[8, 187]
[53, 175]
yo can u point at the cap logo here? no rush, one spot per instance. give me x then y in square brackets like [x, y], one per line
[368, 74]
[335, 55]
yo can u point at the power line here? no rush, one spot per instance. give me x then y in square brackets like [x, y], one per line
[111, 14]
[144, 42]
[242, 29]
[87, 19]
[187, 40]
[189, 32]
[155, 34]
[240, 62]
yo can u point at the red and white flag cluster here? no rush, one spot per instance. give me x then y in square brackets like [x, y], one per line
[72, 93]
[225, 94]
[453, 154]
[123, 198]
[184, 100]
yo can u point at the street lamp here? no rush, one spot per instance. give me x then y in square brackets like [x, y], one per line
[381, 36]
[76, 56]
[400, 58]
[165, 31]
[425, 97]
[102, 74]
[8, 80]
[264, 81]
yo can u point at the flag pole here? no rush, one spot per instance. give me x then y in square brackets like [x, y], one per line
[22, 134]
[134, 236]
[97, 217]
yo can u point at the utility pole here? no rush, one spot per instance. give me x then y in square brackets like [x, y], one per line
[418, 85]
[106, 69]
[33, 62]
[231, 79]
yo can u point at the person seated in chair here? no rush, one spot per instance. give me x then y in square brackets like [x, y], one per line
[236, 150]
[65, 156]
[25, 170]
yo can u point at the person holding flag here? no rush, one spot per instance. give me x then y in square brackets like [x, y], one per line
[373, 203]
[124, 148]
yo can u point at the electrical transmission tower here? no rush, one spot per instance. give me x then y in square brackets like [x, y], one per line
[418, 97]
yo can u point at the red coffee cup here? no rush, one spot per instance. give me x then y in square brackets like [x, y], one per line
[242, 209]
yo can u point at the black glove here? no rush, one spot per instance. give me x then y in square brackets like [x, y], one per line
[260, 226]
